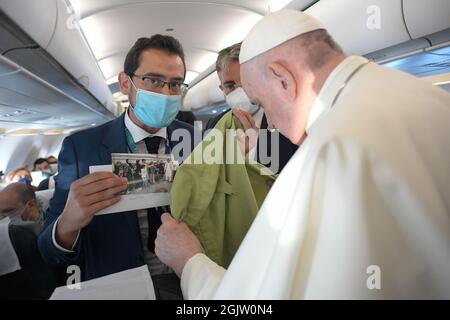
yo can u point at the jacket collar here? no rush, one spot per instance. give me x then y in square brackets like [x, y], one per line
[114, 140]
[331, 88]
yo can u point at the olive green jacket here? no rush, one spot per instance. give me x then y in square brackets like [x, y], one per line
[219, 201]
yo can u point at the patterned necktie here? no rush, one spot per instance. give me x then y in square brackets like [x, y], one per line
[153, 144]
[153, 214]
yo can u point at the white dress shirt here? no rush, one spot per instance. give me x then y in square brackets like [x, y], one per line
[154, 264]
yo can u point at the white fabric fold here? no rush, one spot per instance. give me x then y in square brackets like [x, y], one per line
[132, 284]
[9, 262]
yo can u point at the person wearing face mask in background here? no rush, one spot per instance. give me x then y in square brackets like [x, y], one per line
[23, 273]
[21, 175]
[18, 203]
[41, 164]
[153, 78]
[49, 181]
[278, 149]
[53, 164]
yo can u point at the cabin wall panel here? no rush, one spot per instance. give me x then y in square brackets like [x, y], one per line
[19, 151]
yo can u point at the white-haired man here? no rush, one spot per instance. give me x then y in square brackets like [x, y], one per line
[361, 211]
[266, 147]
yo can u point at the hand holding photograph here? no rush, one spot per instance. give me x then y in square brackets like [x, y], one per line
[149, 177]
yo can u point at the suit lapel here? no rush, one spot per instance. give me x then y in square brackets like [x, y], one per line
[114, 140]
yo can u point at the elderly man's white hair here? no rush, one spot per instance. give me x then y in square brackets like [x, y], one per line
[290, 53]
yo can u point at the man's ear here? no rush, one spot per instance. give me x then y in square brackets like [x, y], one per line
[124, 83]
[283, 80]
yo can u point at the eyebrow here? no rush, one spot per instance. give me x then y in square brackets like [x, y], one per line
[8, 210]
[152, 74]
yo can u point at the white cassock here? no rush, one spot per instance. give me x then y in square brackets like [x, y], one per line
[362, 209]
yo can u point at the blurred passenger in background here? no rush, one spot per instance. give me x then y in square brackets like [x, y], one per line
[41, 164]
[52, 160]
[18, 202]
[53, 164]
[23, 273]
[21, 175]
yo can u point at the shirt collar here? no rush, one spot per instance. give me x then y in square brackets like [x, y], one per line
[331, 87]
[258, 116]
[140, 134]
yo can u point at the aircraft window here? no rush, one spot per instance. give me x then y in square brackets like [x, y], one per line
[425, 63]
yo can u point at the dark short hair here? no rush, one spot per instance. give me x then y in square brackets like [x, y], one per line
[168, 44]
[39, 161]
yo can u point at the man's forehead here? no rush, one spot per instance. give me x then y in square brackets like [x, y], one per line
[231, 69]
[160, 62]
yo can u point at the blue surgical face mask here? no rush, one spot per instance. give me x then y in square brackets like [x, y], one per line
[155, 110]
[25, 181]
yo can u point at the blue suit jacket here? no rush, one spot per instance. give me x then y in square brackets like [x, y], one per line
[110, 243]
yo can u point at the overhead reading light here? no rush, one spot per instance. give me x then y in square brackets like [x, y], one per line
[16, 113]
[23, 132]
[53, 132]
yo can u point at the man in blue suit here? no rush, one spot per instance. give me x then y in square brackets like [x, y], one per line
[153, 76]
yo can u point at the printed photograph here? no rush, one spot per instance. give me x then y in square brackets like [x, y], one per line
[146, 173]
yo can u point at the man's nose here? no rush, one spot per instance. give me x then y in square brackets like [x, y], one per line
[165, 89]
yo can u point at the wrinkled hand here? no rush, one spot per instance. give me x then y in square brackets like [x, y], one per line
[247, 137]
[175, 243]
[87, 196]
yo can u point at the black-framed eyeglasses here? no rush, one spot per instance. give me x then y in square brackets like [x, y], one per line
[154, 83]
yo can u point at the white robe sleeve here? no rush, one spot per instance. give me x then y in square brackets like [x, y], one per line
[341, 223]
[200, 278]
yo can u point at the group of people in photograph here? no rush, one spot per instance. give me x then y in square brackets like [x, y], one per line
[143, 174]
